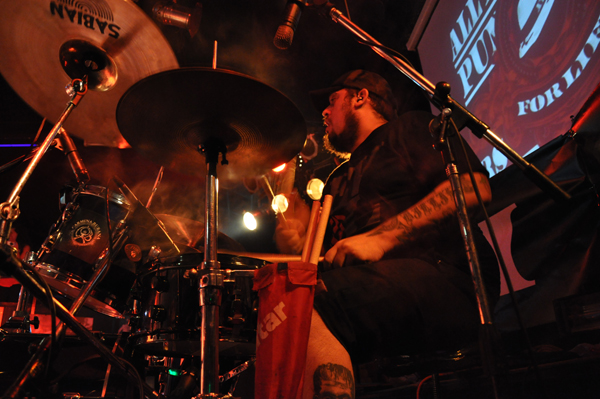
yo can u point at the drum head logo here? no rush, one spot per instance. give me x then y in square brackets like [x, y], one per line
[85, 232]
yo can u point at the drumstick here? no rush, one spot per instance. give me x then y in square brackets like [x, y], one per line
[322, 226]
[269, 258]
[156, 183]
[271, 195]
[310, 231]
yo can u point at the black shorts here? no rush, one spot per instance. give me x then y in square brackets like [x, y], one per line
[398, 306]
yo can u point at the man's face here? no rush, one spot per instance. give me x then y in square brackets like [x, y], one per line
[334, 390]
[341, 123]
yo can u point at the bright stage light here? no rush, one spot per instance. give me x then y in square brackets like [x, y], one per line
[279, 168]
[314, 189]
[279, 203]
[250, 221]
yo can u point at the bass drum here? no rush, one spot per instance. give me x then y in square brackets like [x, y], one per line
[170, 314]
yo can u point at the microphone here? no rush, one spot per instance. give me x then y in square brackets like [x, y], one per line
[436, 123]
[179, 16]
[81, 173]
[285, 33]
[437, 128]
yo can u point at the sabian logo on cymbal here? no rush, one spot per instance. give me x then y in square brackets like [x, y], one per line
[91, 14]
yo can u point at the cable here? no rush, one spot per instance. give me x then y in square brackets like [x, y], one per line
[421, 385]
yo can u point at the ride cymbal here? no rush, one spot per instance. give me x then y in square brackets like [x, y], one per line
[168, 116]
[44, 44]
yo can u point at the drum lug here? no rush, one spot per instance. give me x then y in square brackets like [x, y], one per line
[160, 284]
[238, 316]
[70, 210]
[158, 313]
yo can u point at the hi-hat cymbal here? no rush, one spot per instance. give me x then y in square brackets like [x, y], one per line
[44, 44]
[167, 116]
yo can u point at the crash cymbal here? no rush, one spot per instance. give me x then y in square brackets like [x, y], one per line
[185, 108]
[191, 233]
[146, 229]
[45, 44]
[186, 231]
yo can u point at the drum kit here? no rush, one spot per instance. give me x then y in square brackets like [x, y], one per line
[108, 252]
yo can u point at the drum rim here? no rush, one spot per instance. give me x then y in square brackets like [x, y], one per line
[66, 288]
[98, 191]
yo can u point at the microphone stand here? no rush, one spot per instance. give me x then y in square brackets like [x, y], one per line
[462, 117]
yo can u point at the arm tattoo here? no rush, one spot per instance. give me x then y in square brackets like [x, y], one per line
[404, 222]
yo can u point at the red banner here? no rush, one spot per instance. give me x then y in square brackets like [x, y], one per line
[286, 293]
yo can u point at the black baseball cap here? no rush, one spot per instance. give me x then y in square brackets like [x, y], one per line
[359, 79]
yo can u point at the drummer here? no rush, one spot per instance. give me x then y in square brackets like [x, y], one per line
[396, 276]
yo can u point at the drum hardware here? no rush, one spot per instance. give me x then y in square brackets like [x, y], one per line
[102, 265]
[9, 210]
[167, 293]
[77, 244]
[207, 119]
[21, 321]
[19, 270]
[68, 147]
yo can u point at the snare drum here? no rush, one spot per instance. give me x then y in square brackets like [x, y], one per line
[171, 314]
[69, 254]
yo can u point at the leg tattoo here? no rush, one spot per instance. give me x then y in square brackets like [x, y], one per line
[333, 381]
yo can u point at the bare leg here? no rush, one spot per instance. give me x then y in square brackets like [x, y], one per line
[328, 365]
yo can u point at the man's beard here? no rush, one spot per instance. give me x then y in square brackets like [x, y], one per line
[341, 144]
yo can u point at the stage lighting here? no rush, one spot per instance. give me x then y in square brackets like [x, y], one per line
[314, 189]
[250, 221]
[279, 203]
[280, 168]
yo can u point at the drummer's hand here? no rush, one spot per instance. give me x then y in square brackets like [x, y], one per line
[356, 249]
[291, 230]
[289, 237]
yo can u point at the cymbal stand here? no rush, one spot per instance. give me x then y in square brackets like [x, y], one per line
[9, 210]
[11, 265]
[211, 279]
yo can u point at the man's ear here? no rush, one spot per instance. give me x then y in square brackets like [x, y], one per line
[361, 97]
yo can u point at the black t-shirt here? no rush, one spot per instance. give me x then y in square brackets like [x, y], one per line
[390, 171]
